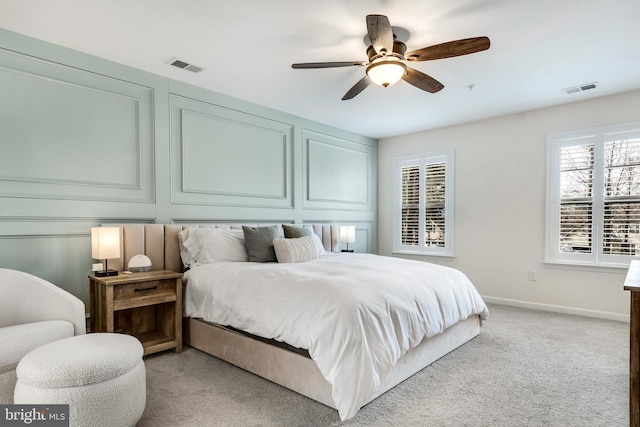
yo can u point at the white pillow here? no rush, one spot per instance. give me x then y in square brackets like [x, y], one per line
[318, 244]
[207, 245]
[185, 253]
[192, 241]
[299, 249]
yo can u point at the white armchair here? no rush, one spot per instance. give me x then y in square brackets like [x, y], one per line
[33, 312]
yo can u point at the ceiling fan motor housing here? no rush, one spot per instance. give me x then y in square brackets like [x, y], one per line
[399, 48]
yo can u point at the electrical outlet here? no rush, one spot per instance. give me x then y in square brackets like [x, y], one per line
[533, 275]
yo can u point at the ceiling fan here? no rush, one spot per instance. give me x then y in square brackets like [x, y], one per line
[386, 64]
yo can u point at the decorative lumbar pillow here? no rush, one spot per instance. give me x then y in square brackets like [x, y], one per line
[293, 231]
[298, 249]
[259, 242]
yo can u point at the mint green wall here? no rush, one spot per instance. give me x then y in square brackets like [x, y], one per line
[86, 141]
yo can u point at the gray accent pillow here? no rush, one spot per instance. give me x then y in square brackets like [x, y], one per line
[293, 232]
[259, 242]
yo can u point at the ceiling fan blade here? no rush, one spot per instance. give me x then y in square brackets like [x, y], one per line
[450, 49]
[380, 33]
[357, 88]
[422, 81]
[329, 64]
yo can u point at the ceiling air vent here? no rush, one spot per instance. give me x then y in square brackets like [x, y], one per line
[581, 88]
[184, 65]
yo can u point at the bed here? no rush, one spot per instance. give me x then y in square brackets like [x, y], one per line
[337, 327]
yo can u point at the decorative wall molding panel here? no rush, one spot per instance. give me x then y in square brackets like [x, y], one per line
[225, 157]
[73, 134]
[338, 173]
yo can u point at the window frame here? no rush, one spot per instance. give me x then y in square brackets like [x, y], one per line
[598, 136]
[445, 156]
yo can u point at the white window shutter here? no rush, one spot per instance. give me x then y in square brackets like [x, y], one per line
[593, 200]
[423, 214]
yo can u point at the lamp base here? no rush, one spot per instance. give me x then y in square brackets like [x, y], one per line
[347, 250]
[105, 273]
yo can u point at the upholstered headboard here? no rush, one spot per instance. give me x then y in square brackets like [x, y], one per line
[160, 242]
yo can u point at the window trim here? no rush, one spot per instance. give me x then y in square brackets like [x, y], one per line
[447, 157]
[555, 141]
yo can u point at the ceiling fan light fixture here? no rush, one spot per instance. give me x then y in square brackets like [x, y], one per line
[386, 73]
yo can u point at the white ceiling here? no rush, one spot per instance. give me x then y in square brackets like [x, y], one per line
[538, 47]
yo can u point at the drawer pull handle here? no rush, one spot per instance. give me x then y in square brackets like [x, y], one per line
[146, 289]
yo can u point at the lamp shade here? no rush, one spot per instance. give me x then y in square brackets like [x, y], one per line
[347, 233]
[386, 73]
[633, 275]
[105, 242]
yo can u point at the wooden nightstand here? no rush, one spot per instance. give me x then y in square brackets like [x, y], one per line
[146, 305]
[634, 356]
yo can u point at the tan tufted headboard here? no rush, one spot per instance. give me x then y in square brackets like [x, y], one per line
[160, 242]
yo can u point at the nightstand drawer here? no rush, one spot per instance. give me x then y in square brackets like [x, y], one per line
[144, 293]
[144, 289]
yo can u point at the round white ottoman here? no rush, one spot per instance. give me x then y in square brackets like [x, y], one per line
[101, 376]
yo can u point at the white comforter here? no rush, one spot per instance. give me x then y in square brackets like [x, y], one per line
[357, 314]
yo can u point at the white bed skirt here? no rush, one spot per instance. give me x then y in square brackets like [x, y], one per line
[300, 373]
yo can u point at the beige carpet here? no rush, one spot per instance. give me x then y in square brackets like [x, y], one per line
[527, 368]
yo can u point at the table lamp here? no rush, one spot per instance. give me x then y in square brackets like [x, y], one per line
[347, 235]
[105, 245]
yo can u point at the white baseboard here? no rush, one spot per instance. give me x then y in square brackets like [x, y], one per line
[558, 309]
